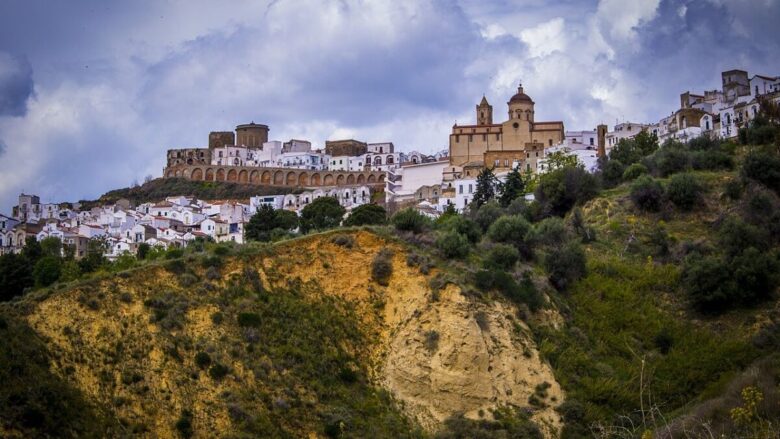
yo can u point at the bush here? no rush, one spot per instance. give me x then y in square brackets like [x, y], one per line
[502, 257]
[431, 341]
[249, 320]
[634, 171]
[321, 214]
[218, 371]
[184, 424]
[202, 360]
[347, 241]
[733, 189]
[382, 267]
[735, 235]
[143, 251]
[367, 214]
[47, 270]
[684, 191]
[711, 160]
[763, 168]
[410, 220]
[565, 265]
[512, 230]
[612, 173]
[523, 292]
[550, 231]
[670, 159]
[714, 284]
[453, 245]
[647, 194]
[560, 190]
[487, 214]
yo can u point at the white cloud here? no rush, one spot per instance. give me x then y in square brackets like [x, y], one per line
[546, 38]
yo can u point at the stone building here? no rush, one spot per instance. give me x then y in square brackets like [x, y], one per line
[251, 135]
[190, 156]
[520, 140]
[219, 139]
[349, 147]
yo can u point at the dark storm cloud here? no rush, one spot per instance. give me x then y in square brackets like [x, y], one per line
[16, 84]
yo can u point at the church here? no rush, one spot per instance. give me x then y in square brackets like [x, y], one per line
[519, 141]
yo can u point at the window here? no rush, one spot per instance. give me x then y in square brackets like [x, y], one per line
[484, 137]
[591, 141]
[506, 163]
[549, 143]
[707, 124]
[471, 189]
[471, 137]
[457, 140]
[460, 188]
[496, 162]
[498, 136]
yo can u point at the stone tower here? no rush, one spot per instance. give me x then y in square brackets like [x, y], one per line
[252, 135]
[601, 132]
[484, 112]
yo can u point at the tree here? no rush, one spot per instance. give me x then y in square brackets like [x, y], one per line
[94, 259]
[486, 188]
[512, 230]
[630, 151]
[15, 275]
[143, 250]
[561, 159]
[32, 250]
[612, 173]
[647, 193]
[565, 265]
[453, 245]
[321, 214]
[367, 214]
[47, 270]
[684, 191]
[560, 190]
[513, 187]
[51, 246]
[487, 214]
[763, 168]
[266, 220]
[410, 220]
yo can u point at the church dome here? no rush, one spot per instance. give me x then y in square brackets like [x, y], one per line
[520, 97]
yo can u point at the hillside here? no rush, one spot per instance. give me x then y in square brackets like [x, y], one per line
[638, 302]
[160, 188]
[287, 340]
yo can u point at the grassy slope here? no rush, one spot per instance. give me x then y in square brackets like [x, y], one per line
[629, 308]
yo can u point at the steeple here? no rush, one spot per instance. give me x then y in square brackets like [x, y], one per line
[484, 112]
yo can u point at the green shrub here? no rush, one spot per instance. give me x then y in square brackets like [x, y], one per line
[366, 214]
[684, 191]
[647, 194]
[763, 168]
[382, 267]
[431, 341]
[410, 220]
[47, 270]
[467, 228]
[560, 190]
[453, 245]
[184, 424]
[249, 320]
[218, 371]
[502, 257]
[634, 171]
[735, 235]
[565, 265]
[733, 189]
[612, 173]
[550, 231]
[523, 292]
[711, 160]
[347, 241]
[202, 360]
[512, 230]
[670, 159]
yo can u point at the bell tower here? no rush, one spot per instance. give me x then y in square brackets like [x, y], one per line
[484, 112]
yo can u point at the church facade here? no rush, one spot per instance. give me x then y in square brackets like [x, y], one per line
[519, 141]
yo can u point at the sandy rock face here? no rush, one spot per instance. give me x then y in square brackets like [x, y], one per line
[460, 357]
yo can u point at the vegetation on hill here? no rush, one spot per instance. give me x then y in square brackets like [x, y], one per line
[644, 295]
[158, 189]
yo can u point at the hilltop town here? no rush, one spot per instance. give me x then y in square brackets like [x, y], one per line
[357, 172]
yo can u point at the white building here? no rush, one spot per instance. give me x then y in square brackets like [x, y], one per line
[348, 163]
[402, 183]
[625, 130]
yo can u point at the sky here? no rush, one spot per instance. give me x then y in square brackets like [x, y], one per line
[93, 93]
